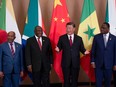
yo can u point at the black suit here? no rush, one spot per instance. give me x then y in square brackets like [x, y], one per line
[70, 58]
[39, 59]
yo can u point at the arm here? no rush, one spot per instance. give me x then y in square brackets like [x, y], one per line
[21, 56]
[22, 66]
[93, 53]
[0, 58]
[82, 48]
[1, 72]
[114, 68]
[50, 53]
[28, 56]
[59, 45]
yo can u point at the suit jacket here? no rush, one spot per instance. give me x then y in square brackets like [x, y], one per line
[101, 55]
[71, 54]
[7, 61]
[36, 57]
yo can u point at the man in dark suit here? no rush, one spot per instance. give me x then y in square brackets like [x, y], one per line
[71, 46]
[103, 55]
[38, 54]
[11, 61]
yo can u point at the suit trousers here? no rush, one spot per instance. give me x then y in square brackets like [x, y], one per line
[11, 80]
[70, 76]
[41, 78]
[103, 74]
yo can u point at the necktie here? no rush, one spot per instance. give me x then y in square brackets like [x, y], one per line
[40, 45]
[70, 40]
[105, 40]
[12, 49]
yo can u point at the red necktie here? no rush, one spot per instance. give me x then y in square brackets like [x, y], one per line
[70, 40]
[40, 45]
[12, 50]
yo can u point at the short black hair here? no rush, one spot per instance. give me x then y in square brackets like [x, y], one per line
[107, 24]
[71, 23]
[37, 26]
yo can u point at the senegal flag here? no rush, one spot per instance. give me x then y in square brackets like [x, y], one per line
[87, 29]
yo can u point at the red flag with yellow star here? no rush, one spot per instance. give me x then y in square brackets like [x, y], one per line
[60, 17]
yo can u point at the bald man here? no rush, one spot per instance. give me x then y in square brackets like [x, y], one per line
[11, 61]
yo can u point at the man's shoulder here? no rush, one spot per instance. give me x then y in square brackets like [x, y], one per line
[18, 44]
[31, 38]
[98, 35]
[3, 44]
[113, 35]
[63, 36]
[45, 38]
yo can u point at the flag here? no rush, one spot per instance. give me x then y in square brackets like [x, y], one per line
[7, 19]
[88, 27]
[111, 15]
[33, 19]
[3, 34]
[60, 17]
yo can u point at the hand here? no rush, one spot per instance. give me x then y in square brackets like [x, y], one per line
[114, 68]
[1, 74]
[29, 68]
[21, 74]
[51, 68]
[87, 52]
[57, 49]
[51, 65]
[93, 65]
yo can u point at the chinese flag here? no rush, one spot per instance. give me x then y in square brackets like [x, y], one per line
[60, 17]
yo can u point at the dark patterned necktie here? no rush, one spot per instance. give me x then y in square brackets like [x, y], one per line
[70, 40]
[12, 49]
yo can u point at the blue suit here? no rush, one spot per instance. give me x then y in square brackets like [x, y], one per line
[11, 65]
[104, 58]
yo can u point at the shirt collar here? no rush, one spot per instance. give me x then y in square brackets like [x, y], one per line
[37, 37]
[107, 35]
[70, 35]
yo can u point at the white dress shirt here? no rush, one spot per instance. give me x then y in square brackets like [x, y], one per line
[13, 44]
[72, 35]
[107, 36]
[39, 39]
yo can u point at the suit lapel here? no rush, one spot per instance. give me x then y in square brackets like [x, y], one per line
[74, 40]
[102, 40]
[16, 47]
[35, 43]
[67, 40]
[43, 42]
[109, 40]
[9, 50]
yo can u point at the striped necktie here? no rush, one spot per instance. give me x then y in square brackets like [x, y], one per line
[39, 43]
[12, 49]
